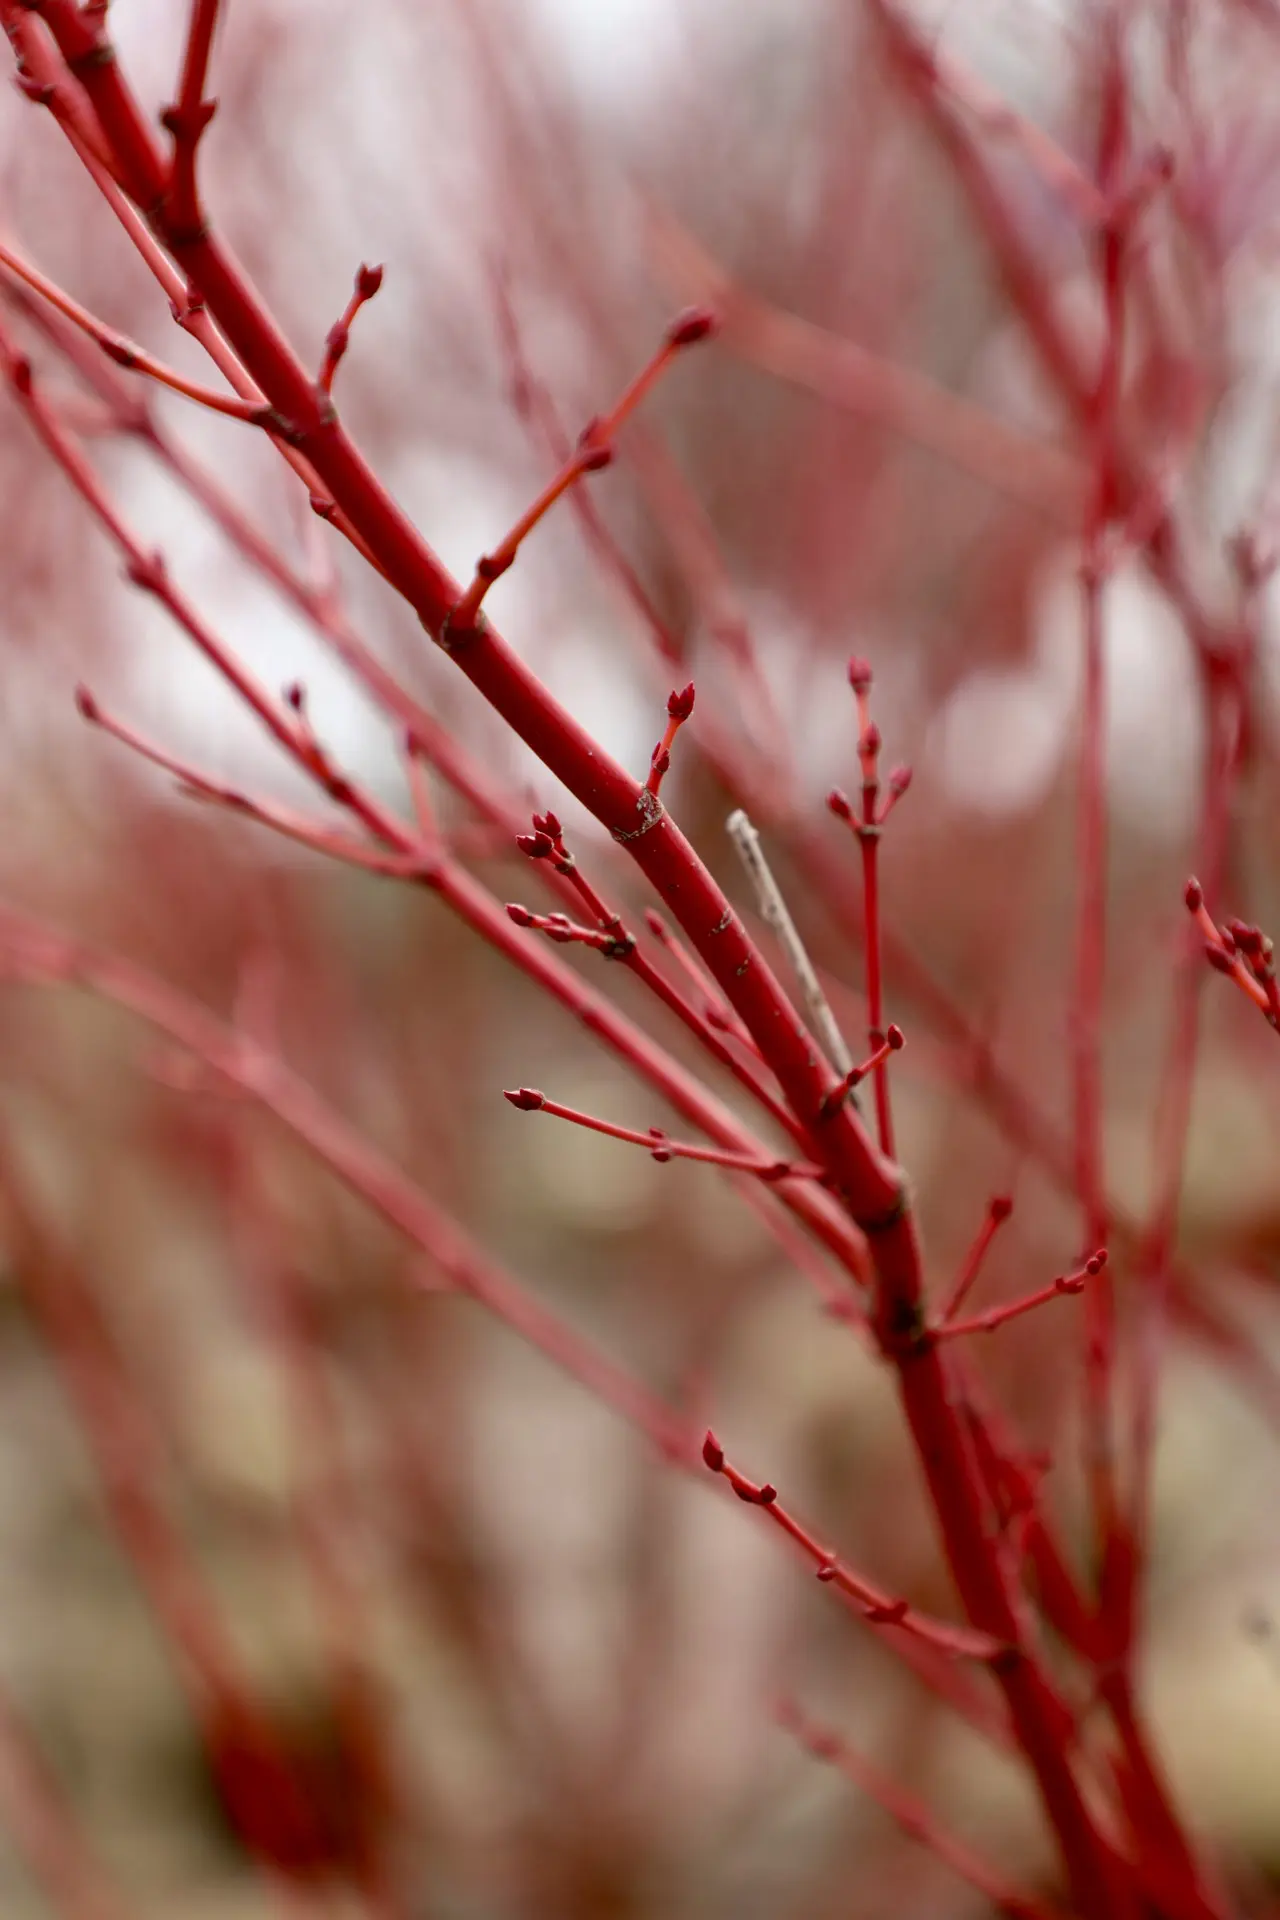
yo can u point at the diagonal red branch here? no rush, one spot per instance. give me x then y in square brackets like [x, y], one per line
[871, 1185]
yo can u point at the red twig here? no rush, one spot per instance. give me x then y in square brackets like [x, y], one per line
[866, 822]
[679, 707]
[338, 339]
[126, 353]
[998, 1212]
[660, 1145]
[188, 118]
[875, 1606]
[911, 1815]
[893, 1042]
[994, 1317]
[1242, 952]
[595, 450]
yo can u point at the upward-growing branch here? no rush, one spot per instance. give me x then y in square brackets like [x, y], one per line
[869, 1182]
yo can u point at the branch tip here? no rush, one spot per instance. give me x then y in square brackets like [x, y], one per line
[524, 1099]
[687, 329]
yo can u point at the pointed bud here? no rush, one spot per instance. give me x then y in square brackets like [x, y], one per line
[698, 323]
[524, 1099]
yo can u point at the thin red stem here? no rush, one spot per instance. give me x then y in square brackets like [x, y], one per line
[997, 1213]
[188, 118]
[660, 1145]
[910, 1813]
[873, 1603]
[996, 1317]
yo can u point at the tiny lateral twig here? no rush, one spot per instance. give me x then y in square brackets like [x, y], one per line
[660, 1145]
[595, 449]
[911, 1815]
[996, 1317]
[997, 1213]
[125, 352]
[873, 1603]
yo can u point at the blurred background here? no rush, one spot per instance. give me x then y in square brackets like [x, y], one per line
[513, 1659]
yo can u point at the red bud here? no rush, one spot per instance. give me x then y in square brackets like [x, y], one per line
[698, 323]
[525, 1099]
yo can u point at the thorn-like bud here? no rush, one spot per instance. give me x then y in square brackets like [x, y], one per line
[895, 1038]
[1218, 957]
[535, 846]
[655, 923]
[712, 1451]
[368, 281]
[295, 695]
[548, 823]
[838, 803]
[86, 705]
[1001, 1207]
[1096, 1261]
[660, 760]
[899, 781]
[869, 745]
[698, 323]
[146, 570]
[680, 705]
[521, 915]
[1193, 894]
[860, 674]
[524, 1099]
